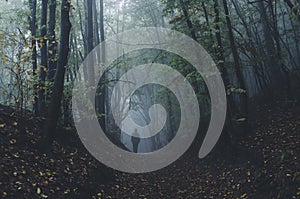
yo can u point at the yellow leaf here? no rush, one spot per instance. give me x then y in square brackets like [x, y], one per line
[50, 52]
[241, 120]
[4, 60]
[44, 68]
[38, 190]
[2, 125]
[16, 155]
[15, 123]
[67, 191]
[13, 141]
[288, 175]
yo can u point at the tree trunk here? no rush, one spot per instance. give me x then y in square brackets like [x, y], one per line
[57, 91]
[33, 27]
[44, 57]
[96, 29]
[228, 134]
[101, 21]
[90, 40]
[243, 107]
[272, 60]
[101, 98]
[261, 82]
[207, 21]
[188, 20]
[52, 48]
[219, 48]
[81, 27]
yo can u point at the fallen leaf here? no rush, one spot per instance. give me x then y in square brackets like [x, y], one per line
[38, 190]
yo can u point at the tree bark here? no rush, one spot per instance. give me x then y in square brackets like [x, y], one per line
[243, 107]
[33, 27]
[44, 57]
[81, 27]
[96, 29]
[52, 48]
[90, 40]
[272, 60]
[101, 98]
[188, 20]
[250, 46]
[228, 135]
[57, 91]
[219, 48]
[101, 22]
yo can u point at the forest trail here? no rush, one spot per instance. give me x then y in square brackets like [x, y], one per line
[73, 173]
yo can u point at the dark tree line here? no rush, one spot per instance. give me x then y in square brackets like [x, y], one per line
[255, 45]
[255, 40]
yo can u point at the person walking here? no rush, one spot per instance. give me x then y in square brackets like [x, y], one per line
[135, 139]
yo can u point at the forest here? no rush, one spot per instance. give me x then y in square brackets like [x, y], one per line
[150, 99]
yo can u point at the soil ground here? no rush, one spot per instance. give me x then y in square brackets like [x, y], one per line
[266, 165]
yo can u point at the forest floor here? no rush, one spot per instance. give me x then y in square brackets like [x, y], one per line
[266, 165]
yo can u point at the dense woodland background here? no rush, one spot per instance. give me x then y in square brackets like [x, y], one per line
[255, 44]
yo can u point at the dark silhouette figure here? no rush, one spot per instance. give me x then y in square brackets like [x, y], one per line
[135, 139]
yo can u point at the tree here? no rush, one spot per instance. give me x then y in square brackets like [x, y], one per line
[188, 20]
[33, 27]
[57, 90]
[228, 134]
[243, 105]
[52, 41]
[44, 57]
[101, 22]
[271, 59]
[90, 41]
[293, 8]
[101, 97]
